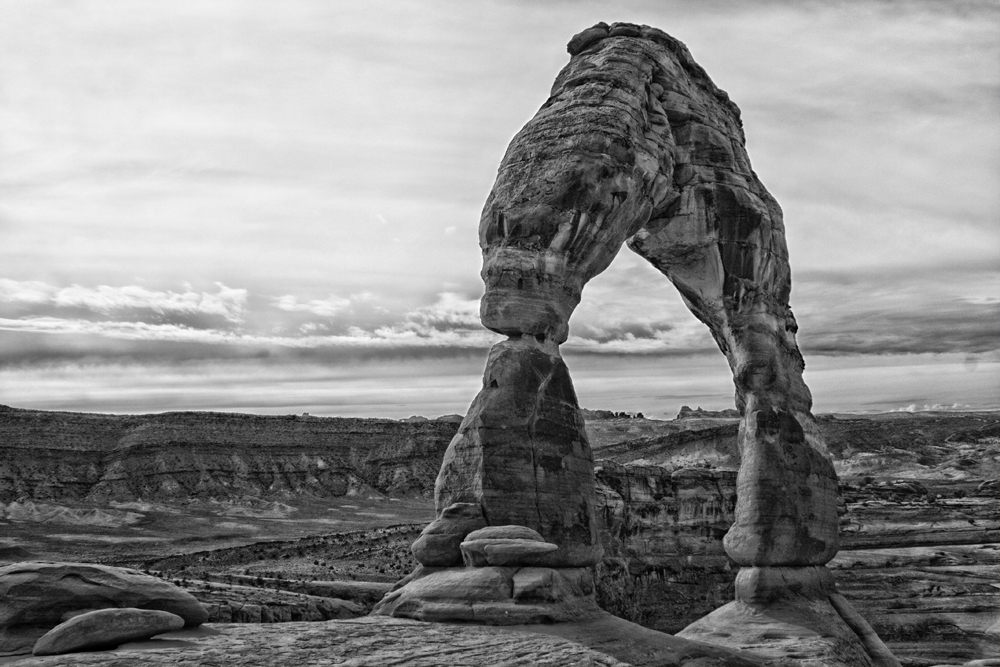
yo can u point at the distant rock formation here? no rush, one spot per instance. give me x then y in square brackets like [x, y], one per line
[636, 144]
[592, 415]
[177, 455]
[698, 413]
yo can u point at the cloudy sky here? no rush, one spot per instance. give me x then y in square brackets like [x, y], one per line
[273, 206]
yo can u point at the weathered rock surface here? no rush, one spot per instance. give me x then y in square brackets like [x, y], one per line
[505, 545]
[106, 628]
[665, 520]
[365, 642]
[522, 455]
[39, 595]
[378, 641]
[494, 595]
[230, 603]
[793, 614]
[180, 455]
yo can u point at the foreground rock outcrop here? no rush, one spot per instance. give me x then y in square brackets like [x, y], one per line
[378, 641]
[38, 595]
[229, 603]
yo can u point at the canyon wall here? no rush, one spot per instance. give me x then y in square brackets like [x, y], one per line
[177, 455]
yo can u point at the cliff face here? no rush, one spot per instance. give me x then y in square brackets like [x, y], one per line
[661, 520]
[72, 456]
[703, 443]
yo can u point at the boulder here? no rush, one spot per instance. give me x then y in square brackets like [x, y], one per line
[439, 543]
[39, 595]
[509, 532]
[106, 628]
[505, 545]
[517, 552]
[479, 553]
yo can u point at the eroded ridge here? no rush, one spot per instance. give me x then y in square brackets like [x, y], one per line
[636, 145]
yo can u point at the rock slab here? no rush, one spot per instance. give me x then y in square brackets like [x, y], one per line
[106, 628]
[368, 642]
[39, 595]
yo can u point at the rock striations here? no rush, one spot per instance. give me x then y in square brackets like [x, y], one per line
[636, 144]
[179, 455]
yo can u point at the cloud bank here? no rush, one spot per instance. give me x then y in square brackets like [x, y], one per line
[630, 311]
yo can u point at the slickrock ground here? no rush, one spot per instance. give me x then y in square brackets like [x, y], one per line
[358, 643]
[380, 641]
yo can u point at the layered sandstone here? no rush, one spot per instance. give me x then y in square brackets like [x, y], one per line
[74, 456]
[521, 453]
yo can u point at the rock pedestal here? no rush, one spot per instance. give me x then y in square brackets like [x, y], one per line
[637, 145]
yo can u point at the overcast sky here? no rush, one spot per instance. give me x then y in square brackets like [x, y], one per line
[273, 206]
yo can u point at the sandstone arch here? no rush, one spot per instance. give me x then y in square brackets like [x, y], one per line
[636, 145]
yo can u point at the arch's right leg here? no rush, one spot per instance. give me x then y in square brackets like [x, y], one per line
[723, 247]
[720, 239]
